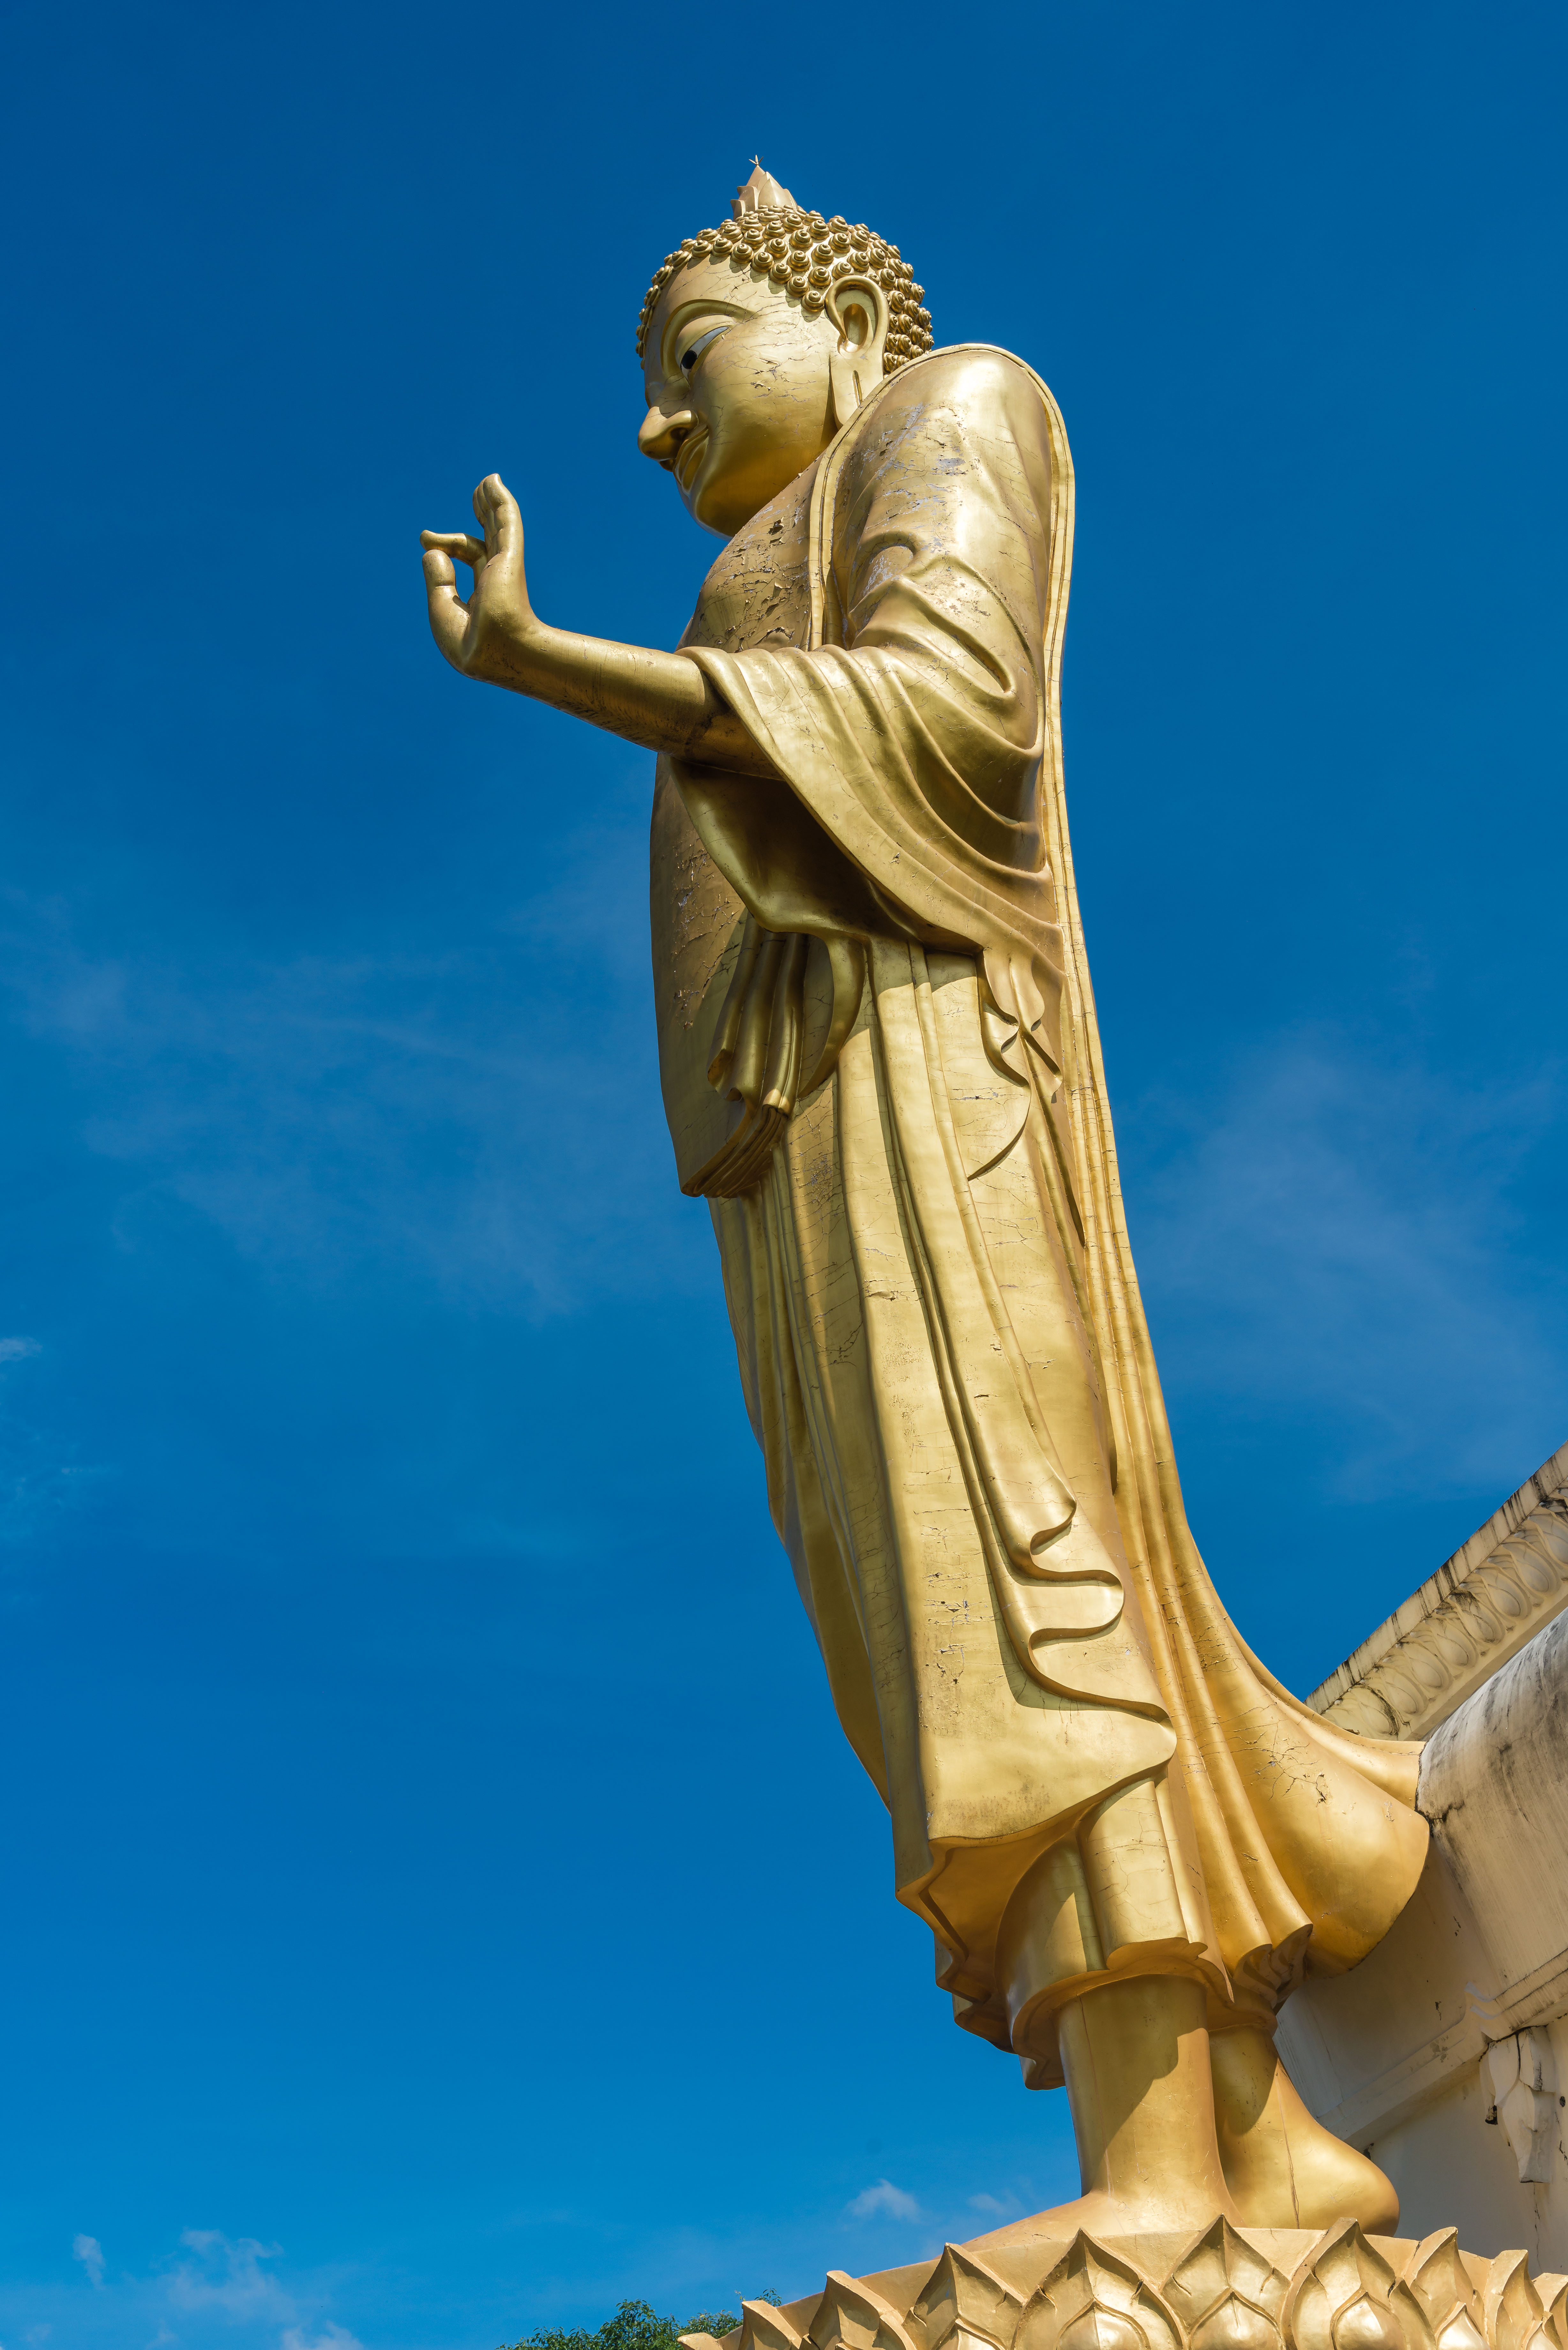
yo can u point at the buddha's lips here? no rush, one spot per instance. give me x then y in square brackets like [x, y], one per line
[690, 448]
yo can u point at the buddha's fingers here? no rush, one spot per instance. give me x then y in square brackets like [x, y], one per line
[449, 614]
[499, 515]
[461, 544]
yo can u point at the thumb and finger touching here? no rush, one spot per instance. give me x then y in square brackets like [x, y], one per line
[448, 613]
[495, 511]
[460, 544]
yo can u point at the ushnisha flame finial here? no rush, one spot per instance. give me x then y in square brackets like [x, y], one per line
[761, 193]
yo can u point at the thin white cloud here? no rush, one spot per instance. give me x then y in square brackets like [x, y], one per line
[1336, 1241]
[883, 2197]
[40, 1481]
[17, 1350]
[470, 1114]
[211, 2292]
[226, 2273]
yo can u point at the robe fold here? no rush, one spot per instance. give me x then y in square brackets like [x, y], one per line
[882, 1068]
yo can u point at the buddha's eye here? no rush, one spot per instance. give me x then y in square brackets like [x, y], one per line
[694, 350]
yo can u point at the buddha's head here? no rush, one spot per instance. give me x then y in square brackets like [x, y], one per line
[758, 339]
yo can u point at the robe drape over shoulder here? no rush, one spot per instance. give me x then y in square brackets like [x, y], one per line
[882, 1068]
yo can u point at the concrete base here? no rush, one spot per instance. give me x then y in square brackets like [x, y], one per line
[1444, 2055]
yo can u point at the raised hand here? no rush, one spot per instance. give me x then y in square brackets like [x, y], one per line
[482, 637]
[662, 700]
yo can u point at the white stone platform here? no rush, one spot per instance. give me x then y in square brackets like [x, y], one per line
[1444, 2055]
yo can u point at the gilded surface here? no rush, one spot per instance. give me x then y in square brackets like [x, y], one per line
[1223, 2289]
[882, 1070]
[925, 1274]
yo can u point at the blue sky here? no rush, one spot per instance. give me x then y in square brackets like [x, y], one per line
[438, 1900]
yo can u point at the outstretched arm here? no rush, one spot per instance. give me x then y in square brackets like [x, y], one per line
[660, 700]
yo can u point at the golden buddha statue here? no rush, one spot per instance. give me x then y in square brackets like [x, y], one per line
[882, 1070]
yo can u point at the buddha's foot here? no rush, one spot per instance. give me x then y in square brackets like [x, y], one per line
[1282, 2167]
[1255, 2288]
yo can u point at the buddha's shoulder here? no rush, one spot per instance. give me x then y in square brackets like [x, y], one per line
[985, 397]
[969, 375]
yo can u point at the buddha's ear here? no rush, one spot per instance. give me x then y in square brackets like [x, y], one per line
[856, 309]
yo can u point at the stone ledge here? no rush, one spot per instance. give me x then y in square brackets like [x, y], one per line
[1508, 1582]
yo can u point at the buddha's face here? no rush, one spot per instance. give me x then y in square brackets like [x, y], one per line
[739, 383]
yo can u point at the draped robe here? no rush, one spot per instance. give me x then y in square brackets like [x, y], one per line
[882, 1066]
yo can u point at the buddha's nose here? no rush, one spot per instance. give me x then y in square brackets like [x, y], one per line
[662, 430]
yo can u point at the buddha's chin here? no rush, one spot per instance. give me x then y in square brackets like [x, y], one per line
[724, 495]
[725, 502]
[715, 504]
